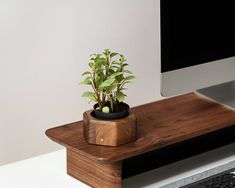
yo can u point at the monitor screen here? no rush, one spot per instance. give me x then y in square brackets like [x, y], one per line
[195, 32]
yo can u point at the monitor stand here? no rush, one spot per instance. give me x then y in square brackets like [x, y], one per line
[222, 93]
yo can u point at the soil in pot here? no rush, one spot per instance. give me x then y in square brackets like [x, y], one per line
[122, 110]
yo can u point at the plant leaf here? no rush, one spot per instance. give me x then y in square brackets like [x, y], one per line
[115, 63]
[86, 73]
[86, 81]
[109, 89]
[126, 82]
[125, 64]
[127, 71]
[114, 66]
[113, 54]
[120, 96]
[129, 77]
[115, 74]
[90, 95]
[98, 83]
[106, 52]
[107, 83]
[91, 65]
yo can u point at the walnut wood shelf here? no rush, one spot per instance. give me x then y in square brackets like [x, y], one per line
[160, 124]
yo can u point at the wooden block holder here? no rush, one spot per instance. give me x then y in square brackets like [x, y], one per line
[160, 124]
[114, 132]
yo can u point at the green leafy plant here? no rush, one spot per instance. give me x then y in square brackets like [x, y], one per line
[108, 77]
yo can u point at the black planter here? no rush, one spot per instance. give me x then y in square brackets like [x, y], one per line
[123, 112]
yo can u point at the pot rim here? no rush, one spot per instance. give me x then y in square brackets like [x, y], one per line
[112, 115]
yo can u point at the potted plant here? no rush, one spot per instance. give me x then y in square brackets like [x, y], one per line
[108, 78]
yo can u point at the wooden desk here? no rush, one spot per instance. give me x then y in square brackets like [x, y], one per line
[160, 124]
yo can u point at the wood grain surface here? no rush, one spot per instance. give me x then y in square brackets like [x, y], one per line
[160, 124]
[114, 132]
[92, 173]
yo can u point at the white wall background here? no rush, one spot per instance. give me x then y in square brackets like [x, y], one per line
[44, 48]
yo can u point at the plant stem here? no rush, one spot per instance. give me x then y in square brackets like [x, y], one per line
[93, 83]
[111, 102]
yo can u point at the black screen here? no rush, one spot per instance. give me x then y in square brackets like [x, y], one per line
[195, 32]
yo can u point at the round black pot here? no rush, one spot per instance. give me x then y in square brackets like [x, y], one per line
[124, 111]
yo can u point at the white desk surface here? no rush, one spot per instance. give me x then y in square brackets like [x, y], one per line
[49, 171]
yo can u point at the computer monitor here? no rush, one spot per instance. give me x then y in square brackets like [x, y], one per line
[197, 46]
